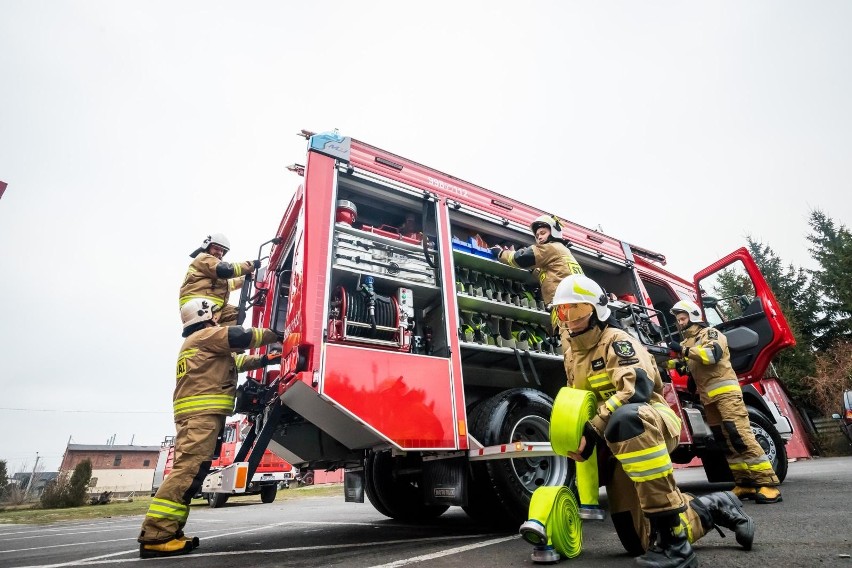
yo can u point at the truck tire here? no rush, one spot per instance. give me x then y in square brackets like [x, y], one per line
[482, 503]
[268, 493]
[216, 500]
[770, 440]
[370, 486]
[521, 414]
[399, 490]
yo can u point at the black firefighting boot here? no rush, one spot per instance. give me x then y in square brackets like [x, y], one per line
[672, 548]
[724, 509]
[174, 547]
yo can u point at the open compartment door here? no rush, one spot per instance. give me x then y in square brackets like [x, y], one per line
[738, 302]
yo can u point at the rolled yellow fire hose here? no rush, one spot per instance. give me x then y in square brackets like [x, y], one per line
[556, 509]
[571, 410]
[554, 517]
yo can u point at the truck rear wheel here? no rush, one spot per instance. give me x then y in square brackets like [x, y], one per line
[523, 415]
[482, 503]
[770, 440]
[216, 500]
[268, 493]
[398, 487]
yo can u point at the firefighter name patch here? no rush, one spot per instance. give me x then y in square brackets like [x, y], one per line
[623, 349]
[598, 364]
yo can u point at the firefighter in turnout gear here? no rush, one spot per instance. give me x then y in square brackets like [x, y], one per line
[705, 351]
[548, 258]
[210, 278]
[651, 516]
[207, 368]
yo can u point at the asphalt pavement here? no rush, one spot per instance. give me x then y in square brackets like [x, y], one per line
[811, 527]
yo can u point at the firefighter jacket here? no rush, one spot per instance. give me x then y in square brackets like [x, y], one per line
[207, 367]
[552, 259]
[705, 350]
[212, 279]
[615, 366]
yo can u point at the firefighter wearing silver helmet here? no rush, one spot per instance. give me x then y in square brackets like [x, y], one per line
[705, 352]
[205, 388]
[640, 430]
[210, 278]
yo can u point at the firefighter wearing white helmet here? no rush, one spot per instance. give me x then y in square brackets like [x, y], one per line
[548, 255]
[205, 389]
[210, 278]
[634, 421]
[706, 354]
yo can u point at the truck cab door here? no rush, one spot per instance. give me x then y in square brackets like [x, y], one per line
[738, 302]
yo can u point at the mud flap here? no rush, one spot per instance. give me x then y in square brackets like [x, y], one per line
[353, 485]
[445, 481]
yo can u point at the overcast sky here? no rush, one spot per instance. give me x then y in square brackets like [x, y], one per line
[129, 130]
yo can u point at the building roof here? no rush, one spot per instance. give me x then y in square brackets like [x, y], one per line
[111, 448]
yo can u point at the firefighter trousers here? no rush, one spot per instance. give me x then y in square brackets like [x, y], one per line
[195, 444]
[641, 484]
[728, 419]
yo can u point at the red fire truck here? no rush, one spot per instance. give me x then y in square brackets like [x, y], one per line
[423, 367]
[271, 473]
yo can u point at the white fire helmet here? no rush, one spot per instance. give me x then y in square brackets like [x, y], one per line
[690, 308]
[550, 222]
[580, 289]
[196, 310]
[212, 239]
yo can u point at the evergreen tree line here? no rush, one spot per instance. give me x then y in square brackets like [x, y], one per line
[818, 306]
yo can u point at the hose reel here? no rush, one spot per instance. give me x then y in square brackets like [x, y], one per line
[364, 316]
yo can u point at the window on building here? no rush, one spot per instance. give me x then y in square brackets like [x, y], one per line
[146, 463]
[117, 461]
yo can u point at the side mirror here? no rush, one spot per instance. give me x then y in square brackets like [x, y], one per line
[835, 416]
[709, 301]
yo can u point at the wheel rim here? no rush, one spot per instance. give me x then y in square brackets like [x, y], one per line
[535, 472]
[766, 442]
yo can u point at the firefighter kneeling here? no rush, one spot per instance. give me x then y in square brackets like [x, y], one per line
[207, 369]
[652, 517]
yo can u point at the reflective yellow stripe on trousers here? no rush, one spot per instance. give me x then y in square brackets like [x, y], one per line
[165, 509]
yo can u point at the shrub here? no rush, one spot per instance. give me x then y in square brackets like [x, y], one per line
[66, 492]
[833, 376]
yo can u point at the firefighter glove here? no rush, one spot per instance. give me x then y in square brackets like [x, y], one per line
[271, 358]
[256, 264]
[279, 334]
[496, 250]
[592, 438]
[675, 346]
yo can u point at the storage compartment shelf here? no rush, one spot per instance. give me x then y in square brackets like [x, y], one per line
[504, 352]
[425, 293]
[491, 266]
[396, 243]
[484, 305]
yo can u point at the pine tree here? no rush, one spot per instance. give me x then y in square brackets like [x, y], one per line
[79, 484]
[832, 249]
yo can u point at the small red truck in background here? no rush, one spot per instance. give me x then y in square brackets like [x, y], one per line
[272, 471]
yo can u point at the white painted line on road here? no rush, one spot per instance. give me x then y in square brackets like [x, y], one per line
[85, 543]
[105, 559]
[54, 534]
[457, 550]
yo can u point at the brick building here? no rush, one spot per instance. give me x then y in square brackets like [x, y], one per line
[120, 469]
